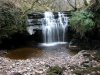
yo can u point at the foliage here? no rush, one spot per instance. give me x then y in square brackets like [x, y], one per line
[82, 21]
[56, 70]
[94, 6]
[11, 19]
[48, 5]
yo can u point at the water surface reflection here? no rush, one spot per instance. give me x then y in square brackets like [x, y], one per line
[24, 53]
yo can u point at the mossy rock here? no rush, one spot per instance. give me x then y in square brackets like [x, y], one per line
[55, 70]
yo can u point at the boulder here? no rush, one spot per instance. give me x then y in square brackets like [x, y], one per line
[73, 45]
[86, 64]
[82, 59]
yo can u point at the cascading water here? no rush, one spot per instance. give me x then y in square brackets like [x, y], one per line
[54, 29]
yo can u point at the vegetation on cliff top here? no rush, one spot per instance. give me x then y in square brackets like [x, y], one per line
[11, 20]
[87, 19]
[82, 21]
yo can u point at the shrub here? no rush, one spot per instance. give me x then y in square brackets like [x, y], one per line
[82, 21]
[11, 19]
[56, 70]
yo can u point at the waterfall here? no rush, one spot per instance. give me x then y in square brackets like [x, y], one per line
[54, 29]
[52, 24]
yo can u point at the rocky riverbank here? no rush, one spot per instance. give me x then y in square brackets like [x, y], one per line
[39, 66]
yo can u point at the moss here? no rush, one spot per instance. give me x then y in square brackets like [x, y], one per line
[55, 70]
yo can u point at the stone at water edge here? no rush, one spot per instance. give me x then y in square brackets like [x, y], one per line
[73, 45]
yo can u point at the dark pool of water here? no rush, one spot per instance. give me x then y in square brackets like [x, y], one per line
[39, 52]
[24, 53]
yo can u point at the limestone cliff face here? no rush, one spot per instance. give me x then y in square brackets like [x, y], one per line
[50, 5]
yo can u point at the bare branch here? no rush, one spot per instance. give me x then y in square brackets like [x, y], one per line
[75, 7]
[33, 3]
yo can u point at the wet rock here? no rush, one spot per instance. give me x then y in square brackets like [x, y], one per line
[35, 15]
[86, 64]
[17, 73]
[3, 53]
[38, 73]
[47, 65]
[86, 54]
[73, 45]
[82, 59]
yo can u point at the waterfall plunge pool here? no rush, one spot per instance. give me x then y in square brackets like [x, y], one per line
[41, 52]
[52, 44]
[54, 38]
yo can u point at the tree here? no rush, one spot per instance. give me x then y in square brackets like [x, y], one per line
[82, 22]
[11, 20]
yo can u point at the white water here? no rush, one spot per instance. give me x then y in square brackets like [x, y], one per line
[30, 30]
[54, 29]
